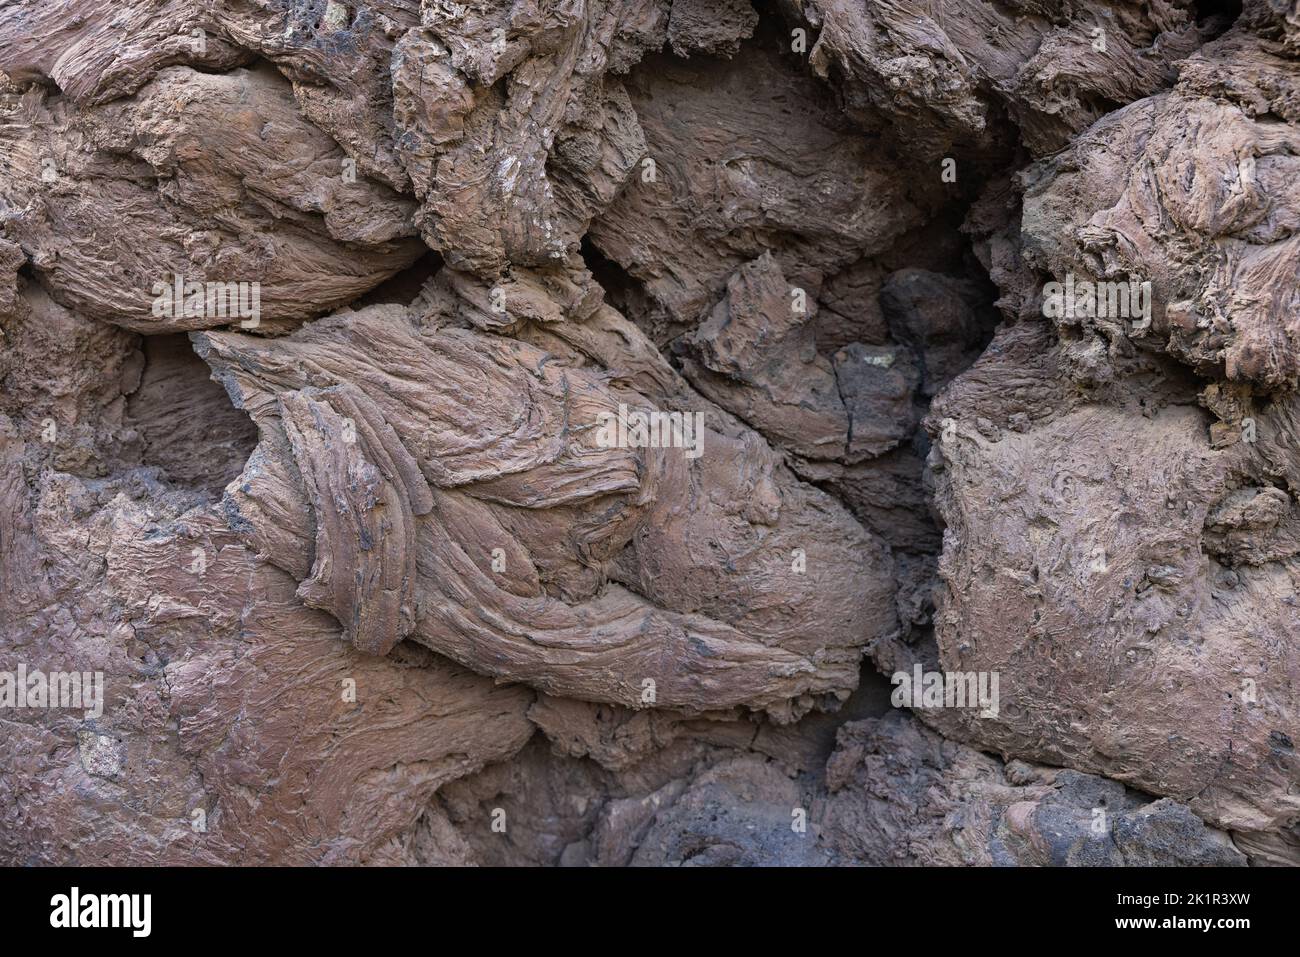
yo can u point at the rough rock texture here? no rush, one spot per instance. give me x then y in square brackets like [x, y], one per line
[1196, 191]
[559, 434]
[466, 444]
[954, 74]
[1137, 578]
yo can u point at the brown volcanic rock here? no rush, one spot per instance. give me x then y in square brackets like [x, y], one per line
[889, 792]
[337, 56]
[1121, 538]
[474, 453]
[190, 182]
[510, 130]
[1195, 191]
[947, 73]
[223, 695]
[372, 582]
[1095, 556]
[748, 157]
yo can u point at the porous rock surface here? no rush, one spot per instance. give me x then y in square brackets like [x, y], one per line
[367, 579]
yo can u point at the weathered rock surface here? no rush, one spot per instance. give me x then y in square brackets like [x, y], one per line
[534, 433]
[1195, 191]
[951, 74]
[474, 509]
[749, 156]
[891, 793]
[191, 185]
[1095, 554]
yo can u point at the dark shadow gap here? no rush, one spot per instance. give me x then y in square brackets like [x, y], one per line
[187, 426]
[403, 287]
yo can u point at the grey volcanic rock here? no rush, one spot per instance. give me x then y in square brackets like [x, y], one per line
[440, 433]
[899, 794]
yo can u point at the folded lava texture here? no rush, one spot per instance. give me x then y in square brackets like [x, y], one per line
[650, 432]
